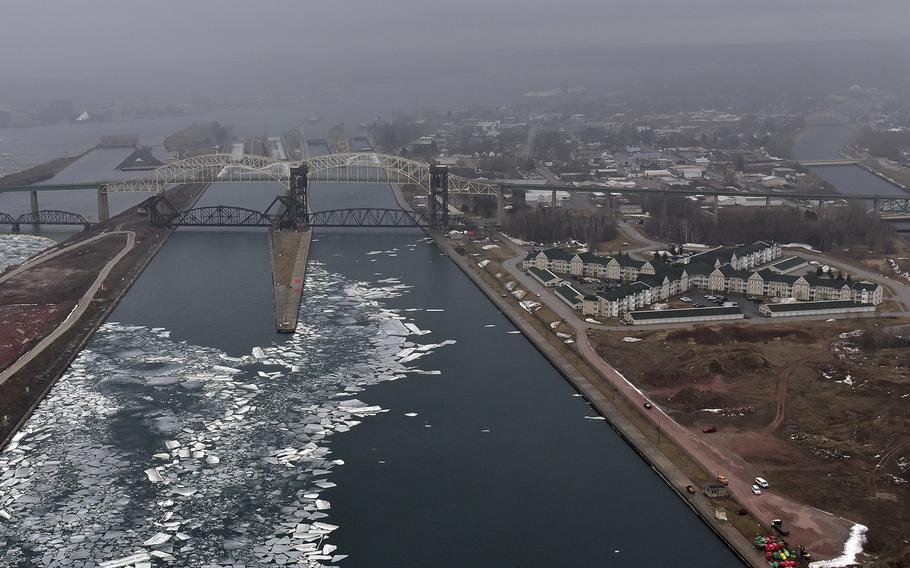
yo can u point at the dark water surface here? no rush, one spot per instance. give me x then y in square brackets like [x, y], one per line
[826, 143]
[502, 465]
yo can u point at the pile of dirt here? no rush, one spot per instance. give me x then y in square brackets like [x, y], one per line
[705, 335]
[739, 362]
[761, 334]
[700, 334]
[692, 400]
[670, 377]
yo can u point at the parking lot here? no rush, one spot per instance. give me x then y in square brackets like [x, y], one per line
[706, 299]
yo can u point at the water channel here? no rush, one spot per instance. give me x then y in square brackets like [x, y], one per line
[465, 446]
[826, 143]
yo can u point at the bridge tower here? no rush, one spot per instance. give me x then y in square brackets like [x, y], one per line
[439, 196]
[295, 206]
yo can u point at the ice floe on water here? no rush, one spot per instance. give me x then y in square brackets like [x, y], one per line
[152, 451]
[16, 249]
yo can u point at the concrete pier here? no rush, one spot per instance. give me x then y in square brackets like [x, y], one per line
[34, 203]
[289, 251]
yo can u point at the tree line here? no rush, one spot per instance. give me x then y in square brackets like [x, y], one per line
[677, 219]
[554, 225]
[883, 144]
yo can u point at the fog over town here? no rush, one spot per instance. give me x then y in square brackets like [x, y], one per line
[482, 283]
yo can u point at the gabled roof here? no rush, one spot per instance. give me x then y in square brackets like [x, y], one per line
[557, 254]
[684, 313]
[591, 258]
[543, 274]
[673, 272]
[813, 306]
[655, 280]
[569, 293]
[753, 248]
[730, 272]
[770, 276]
[627, 261]
[789, 262]
[624, 291]
[865, 285]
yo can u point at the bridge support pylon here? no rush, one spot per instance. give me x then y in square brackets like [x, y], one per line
[104, 208]
[876, 206]
[500, 207]
[439, 196]
[34, 200]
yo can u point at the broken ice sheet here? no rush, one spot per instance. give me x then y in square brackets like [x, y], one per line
[218, 420]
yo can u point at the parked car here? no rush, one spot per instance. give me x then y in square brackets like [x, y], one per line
[722, 479]
[761, 482]
[756, 489]
[710, 430]
[648, 405]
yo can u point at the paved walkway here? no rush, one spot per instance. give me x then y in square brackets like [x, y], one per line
[84, 301]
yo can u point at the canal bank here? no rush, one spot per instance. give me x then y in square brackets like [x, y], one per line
[26, 386]
[650, 452]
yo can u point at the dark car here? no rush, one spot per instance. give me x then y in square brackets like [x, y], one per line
[710, 429]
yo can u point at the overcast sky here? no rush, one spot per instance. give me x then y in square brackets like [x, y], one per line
[98, 40]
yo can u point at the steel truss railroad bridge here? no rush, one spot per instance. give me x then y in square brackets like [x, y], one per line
[291, 209]
[44, 217]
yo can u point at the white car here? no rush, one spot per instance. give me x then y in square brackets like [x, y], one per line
[756, 489]
[761, 482]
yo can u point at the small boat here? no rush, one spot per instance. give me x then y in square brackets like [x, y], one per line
[315, 118]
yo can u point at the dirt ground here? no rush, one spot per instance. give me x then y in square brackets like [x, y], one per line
[21, 326]
[61, 279]
[824, 419]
